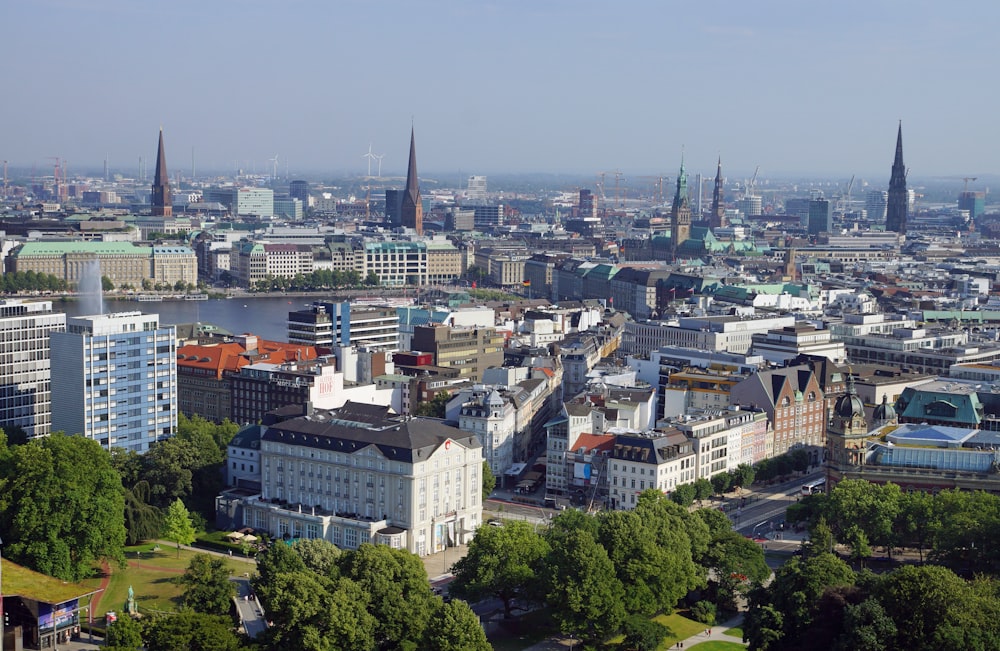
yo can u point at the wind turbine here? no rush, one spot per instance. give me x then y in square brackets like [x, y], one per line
[274, 168]
[379, 157]
[370, 156]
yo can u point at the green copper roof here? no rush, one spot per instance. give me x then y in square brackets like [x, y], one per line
[93, 248]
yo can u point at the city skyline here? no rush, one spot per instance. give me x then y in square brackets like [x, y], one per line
[556, 87]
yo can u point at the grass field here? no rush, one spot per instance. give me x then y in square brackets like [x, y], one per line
[153, 576]
[734, 632]
[717, 646]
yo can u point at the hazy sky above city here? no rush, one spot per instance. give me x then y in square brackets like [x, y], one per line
[575, 86]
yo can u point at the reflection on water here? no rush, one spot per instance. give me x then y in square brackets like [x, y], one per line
[265, 317]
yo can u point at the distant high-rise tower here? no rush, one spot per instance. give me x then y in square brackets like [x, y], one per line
[896, 201]
[162, 203]
[820, 219]
[412, 211]
[718, 217]
[299, 190]
[680, 213]
[875, 205]
[476, 190]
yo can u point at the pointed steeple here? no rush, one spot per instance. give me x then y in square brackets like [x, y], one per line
[162, 205]
[680, 213]
[412, 211]
[718, 216]
[898, 199]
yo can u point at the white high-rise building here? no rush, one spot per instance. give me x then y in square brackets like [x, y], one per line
[25, 395]
[476, 189]
[115, 376]
[876, 203]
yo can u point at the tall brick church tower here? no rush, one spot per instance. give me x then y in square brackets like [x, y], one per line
[161, 199]
[412, 211]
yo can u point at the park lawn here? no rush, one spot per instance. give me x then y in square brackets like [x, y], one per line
[153, 576]
[734, 632]
[718, 646]
[678, 627]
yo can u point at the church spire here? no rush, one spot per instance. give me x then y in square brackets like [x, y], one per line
[412, 211]
[718, 216]
[162, 205]
[680, 213]
[898, 198]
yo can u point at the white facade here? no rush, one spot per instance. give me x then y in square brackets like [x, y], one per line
[491, 417]
[413, 484]
[115, 376]
[25, 364]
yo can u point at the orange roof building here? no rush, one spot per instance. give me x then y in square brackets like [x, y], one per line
[203, 370]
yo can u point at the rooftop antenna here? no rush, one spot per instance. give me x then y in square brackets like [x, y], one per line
[370, 156]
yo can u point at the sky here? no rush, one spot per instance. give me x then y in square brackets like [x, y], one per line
[795, 87]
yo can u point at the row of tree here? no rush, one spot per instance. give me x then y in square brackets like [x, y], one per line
[375, 597]
[594, 572]
[321, 279]
[66, 503]
[958, 529]
[30, 281]
[818, 602]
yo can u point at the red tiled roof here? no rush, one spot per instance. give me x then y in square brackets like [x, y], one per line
[595, 442]
[230, 357]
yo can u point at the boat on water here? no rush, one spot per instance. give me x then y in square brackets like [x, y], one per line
[148, 298]
[196, 297]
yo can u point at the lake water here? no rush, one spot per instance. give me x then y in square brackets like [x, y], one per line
[264, 317]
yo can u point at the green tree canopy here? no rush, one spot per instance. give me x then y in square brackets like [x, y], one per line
[489, 481]
[207, 585]
[177, 526]
[501, 562]
[454, 627]
[399, 593]
[582, 591]
[318, 555]
[191, 631]
[62, 506]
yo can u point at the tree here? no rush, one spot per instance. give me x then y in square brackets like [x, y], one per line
[455, 627]
[62, 506]
[143, 521]
[191, 630]
[400, 597]
[702, 489]
[684, 495]
[107, 284]
[704, 612]
[744, 475]
[489, 481]
[177, 525]
[207, 585]
[124, 633]
[865, 513]
[501, 562]
[933, 596]
[867, 627]
[652, 563]
[435, 407]
[721, 482]
[792, 599]
[318, 555]
[737, 564]
[582, 591]
[372, 279]
[642, 634]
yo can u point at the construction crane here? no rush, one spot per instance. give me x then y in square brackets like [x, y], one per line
[845, 199]
[657, 183]
[4, 179]
[55, 175]
[967, 179]
[619, 175]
